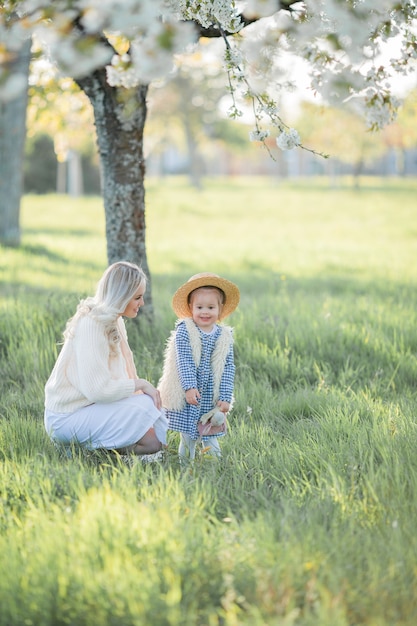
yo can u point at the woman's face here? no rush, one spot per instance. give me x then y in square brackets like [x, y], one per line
[133, 306]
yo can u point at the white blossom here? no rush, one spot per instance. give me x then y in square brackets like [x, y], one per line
[149, 59]
[132, 17]
[259, 135]
[341, 41]
[260, 8]
[209, 13]
[380, 110]
[120, 73]
[72, 57]
[288, 139]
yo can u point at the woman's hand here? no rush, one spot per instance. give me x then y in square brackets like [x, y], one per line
[146, 387]
[192, 396]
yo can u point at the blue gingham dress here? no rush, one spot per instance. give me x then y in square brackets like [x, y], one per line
[201, 377]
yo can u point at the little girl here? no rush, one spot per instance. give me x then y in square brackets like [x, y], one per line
[198, 372]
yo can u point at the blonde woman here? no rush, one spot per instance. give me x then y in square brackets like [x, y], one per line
[94, 396]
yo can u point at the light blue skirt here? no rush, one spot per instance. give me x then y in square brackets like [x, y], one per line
[109, 425]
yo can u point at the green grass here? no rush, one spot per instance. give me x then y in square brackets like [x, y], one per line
[309, 518]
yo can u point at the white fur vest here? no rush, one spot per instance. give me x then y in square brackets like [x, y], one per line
[172, 394]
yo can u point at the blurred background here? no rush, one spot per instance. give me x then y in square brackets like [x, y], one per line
[188, 132]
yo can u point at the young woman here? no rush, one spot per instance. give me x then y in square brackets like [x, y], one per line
[93, 396]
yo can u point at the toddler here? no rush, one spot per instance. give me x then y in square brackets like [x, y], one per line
[198, 373]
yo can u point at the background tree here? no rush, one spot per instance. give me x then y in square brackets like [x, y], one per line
[12, 142]
[188, 106]
[192, 106]
[59, 109]
[401, 135]
[343, 134]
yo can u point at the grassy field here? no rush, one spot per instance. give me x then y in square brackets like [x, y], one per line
[309, 517]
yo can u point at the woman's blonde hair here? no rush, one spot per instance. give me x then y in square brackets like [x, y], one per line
[115, 289]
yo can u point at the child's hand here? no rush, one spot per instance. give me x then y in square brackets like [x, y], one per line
[192, 396]
[223, 406]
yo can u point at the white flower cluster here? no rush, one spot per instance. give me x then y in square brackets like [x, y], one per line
[72, 58]
[209, 13]
[340, 39]
[263, 106]
[130, 17]
[259, 135]
[121, 73]
[343, 42]
[151, 56]
[260, 8]
[380, 110]
[288, 139]
[234, 65]
[233, 58]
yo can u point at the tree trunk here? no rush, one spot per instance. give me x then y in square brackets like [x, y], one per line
[120, 116]
[12, 143]
[357, 171]
[75, 174]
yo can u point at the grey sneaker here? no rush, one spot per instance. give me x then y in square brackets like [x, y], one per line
[152, 458]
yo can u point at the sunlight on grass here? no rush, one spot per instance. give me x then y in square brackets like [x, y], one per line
[261, 225]
[56, 230]
[233, 227]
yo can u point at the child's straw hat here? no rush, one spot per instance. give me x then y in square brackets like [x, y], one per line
[180, 300]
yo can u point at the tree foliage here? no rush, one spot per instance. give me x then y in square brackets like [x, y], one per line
[136, 41]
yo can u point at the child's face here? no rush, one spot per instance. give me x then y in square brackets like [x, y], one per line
[205, 308]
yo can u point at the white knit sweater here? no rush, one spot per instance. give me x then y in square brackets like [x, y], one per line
[85, 373]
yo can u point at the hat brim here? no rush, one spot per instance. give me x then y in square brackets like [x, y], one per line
[230, 290]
